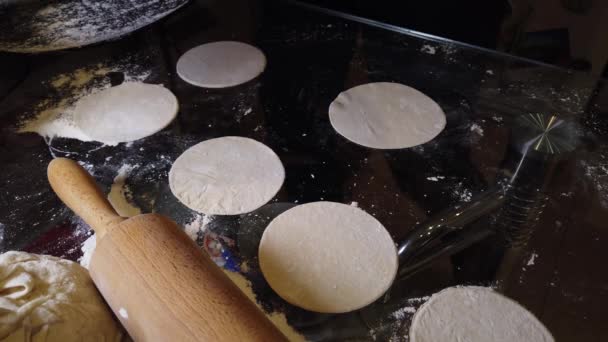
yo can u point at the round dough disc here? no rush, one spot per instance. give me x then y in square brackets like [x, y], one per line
[126, 112]
[221, 64]
[44, 298]
[226, 176]
[386, 116]
[475, 314]
[328, 257]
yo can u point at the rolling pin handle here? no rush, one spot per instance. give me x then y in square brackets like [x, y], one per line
[78, 190]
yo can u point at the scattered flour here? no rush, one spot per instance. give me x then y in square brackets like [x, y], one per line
[477, 129]
[431, 50]
[67, 24]
[87, 251]
[496, 118]
[463, 194]
[55, 117]
[197, 227]
[403, 312]
[119, 192]
[596, 171]
[532, 259]
[435, 178]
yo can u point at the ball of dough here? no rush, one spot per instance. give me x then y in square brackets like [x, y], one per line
[475, 314]
[126, 112]
[226, 176]
[328, 257]
[221, 64]
[386, 116]
[44, 298]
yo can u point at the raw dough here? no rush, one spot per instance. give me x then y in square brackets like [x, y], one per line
[475, 314]
[43, 298]
[126, 112]
[328, 257]
[221, 64]
[226, 176]
[386, 116]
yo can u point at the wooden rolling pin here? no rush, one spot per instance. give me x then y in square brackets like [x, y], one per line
[159, 284]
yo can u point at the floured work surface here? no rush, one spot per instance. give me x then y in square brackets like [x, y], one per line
[38, 26]
[558, 276]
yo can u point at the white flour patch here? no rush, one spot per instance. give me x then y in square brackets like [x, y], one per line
[461, 193]
[429, 49]
[403, 312]
[123, 313]
[120, 192]
[489, 72]
[87, 251]
[197, 227]
[477, 129]
[55, 117]
[435, 178]
[393, 326]
[532, 259]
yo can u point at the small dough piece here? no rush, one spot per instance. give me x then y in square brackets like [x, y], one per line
[226, 176]
[475, 314]
[221, 64]
[328, 257]
[44, 298]
[126, 112]
[386, 116]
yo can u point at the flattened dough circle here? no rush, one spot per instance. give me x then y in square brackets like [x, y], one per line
[328, 257]
[386, 116]
[226, 176]
[126, 112]
[221, 64]
[475, 314]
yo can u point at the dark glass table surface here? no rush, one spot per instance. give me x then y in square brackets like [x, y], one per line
[313, 55]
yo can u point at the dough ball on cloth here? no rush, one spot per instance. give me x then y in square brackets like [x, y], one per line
[221, 64]
[44, 298]
[127, 112]
[386, 116]
[475, 314]
[328, 257]
[226, 176]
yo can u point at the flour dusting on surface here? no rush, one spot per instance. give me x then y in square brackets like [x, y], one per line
[435, 178]
[197, 227]
[532, 259]
[431, 50]
[55, 25]
[54, 117]
[461, 193]
[120, 192]
[87, 251]
[477, 129]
